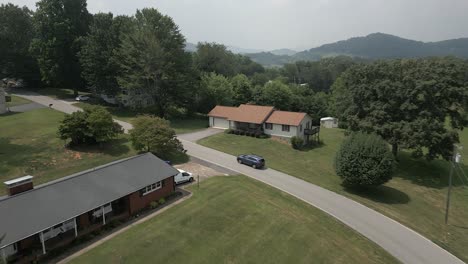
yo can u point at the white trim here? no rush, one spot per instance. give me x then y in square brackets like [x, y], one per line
[4, 256]
[41, 236]
[76, 229]
[151, 189]
[103, 215]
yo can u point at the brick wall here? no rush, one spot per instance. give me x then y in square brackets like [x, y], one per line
[138, 202]
[20, 188]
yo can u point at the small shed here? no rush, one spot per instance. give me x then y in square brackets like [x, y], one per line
[329, 122]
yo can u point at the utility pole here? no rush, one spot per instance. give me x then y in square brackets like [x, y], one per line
[455, 158]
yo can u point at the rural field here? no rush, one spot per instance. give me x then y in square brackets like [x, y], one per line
[415, 196]
[238, 220]
[29, 145]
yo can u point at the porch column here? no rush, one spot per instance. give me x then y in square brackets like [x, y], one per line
[4, 256]
[76, 229]
[43, 243]
[103, 216]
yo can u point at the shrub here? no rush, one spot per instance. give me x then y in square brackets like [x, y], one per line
[153, 204]
[228, 131]
[93, 125]
[241, 133]
[364, 160]
[297, 142]
[236, 132]
[162, 201]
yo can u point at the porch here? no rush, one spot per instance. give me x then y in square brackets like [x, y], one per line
[247, 127]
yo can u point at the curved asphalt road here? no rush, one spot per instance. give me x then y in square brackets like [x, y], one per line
[403, 243]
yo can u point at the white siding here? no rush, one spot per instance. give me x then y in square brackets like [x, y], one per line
[329, 123]
[278, 131]
[219, 122]
[304, 121]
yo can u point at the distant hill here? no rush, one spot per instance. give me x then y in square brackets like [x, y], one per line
[373, 46]
[280, 52]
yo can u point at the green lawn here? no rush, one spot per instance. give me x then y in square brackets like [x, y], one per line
[15, 100]
[29, 145]
[238, 220]
[415, 196]
[179, 125]
[60, 93]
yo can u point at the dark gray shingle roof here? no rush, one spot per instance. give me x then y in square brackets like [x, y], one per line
[28, 213]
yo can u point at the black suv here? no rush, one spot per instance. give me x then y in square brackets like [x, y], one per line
[255, 161]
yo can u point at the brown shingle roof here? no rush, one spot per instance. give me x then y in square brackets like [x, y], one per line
[251, 113]
[286, 118]
[222, 111]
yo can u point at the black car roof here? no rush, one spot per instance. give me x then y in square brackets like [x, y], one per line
[253, 156]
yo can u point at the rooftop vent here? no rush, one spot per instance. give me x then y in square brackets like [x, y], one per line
[19, 185]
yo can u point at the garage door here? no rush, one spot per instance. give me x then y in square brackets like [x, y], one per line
[220, 122]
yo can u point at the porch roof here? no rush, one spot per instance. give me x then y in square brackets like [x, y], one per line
[31, 212]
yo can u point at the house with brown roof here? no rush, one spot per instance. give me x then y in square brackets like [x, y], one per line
[265, 119]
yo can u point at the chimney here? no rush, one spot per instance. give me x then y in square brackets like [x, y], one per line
[19, 185]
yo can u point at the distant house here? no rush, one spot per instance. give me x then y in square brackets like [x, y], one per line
[37, 220]
[266, 119]
[329, 122]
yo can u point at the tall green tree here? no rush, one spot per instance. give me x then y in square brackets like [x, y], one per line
[275, 93]
[16, 34]
[152, 57]
[242, 89]
[408, 103]
[215, 90]
[213, 57]
[100, 70]
[59, 26]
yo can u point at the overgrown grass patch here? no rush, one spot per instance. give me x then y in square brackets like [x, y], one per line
[29, 145]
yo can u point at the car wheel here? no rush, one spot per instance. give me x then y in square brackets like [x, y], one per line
[254, 166]
[239, 161]
[191, 180]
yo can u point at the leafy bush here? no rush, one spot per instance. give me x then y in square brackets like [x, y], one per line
[154, 134]
[93, 125]
[228, 131]
[153, 204]
[297, 142]
[162, 201]
[364, 160]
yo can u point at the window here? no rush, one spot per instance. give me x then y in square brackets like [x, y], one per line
[151, 188]
[300, 128]
[268, 126]
[285, 128]
[308, 124]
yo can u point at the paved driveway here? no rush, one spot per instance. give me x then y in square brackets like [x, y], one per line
[60, 105]
[403, 243]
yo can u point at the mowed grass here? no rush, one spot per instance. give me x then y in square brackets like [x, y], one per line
[29, 145]
[15, 101]
[238, 220]
[179, 125]
[416, 196]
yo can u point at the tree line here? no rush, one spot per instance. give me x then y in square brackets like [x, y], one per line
[411, 103]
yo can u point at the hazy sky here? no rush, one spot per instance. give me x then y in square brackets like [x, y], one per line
[299, 24]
